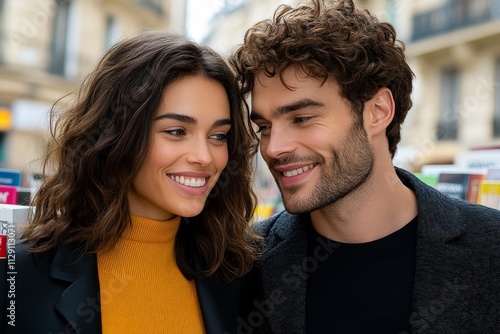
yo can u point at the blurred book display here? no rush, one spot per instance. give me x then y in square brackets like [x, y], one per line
[474, 177]
[460, 185]
[12, 219]
[489, 194]
[11, 189]
[429, 179]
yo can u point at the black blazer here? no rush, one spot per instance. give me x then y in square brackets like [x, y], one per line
[58, 292]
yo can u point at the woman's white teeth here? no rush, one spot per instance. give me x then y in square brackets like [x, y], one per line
[194, 182]
[297, 171]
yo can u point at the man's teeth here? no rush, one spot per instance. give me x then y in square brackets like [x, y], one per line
[193, 182]
[297, 171]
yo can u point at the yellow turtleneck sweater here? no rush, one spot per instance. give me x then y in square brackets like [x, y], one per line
[142, 289]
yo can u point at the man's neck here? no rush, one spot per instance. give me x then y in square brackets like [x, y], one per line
[381, 206]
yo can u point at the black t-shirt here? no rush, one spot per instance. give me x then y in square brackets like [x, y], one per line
[362, 288]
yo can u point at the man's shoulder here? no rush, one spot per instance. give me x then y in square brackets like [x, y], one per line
[480, 218]
[280, 221]
[265, 225]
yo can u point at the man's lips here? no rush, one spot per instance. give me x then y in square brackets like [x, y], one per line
[290, 171]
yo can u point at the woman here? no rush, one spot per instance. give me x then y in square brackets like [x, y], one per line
[157, 132]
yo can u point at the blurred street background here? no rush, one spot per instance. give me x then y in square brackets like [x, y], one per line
[453, 46]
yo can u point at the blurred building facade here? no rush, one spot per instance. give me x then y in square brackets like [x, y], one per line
[453, 47]
[454, 50]
[47, 47]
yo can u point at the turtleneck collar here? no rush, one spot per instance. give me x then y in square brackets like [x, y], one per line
[149, 230]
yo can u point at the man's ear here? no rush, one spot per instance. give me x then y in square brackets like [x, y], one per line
[380, 111]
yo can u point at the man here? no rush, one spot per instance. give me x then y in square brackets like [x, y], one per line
[363, 247]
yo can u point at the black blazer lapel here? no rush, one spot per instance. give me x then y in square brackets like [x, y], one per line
[284, 278]
[223, 306]
[79, 303]
[439, 261]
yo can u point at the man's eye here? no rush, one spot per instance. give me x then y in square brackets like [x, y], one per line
[301, 119]
[263, 128]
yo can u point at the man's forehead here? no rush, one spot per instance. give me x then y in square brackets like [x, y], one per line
[292, 74]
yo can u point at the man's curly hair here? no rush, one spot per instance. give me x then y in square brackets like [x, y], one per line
[331, 39]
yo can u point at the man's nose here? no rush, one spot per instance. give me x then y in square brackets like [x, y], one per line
[280, 141]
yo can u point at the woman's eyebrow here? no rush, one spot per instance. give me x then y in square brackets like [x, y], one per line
[191, 120]
[178, 117]
[221, 122]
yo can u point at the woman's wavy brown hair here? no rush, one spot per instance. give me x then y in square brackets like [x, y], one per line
[100, 143]
[331, 39]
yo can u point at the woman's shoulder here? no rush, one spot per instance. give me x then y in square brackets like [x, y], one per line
[24, 258]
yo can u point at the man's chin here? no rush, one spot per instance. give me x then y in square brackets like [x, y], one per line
[295, 207]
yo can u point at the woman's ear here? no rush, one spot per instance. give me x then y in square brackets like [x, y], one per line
[380, 111]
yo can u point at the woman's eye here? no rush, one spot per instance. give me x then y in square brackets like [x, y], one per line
[219, 136]
[176, 132]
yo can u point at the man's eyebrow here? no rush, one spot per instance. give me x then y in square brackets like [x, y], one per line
[192, 120]
[254, 115]
[283, 110]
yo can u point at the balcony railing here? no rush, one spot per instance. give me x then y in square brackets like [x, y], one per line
[456, 14]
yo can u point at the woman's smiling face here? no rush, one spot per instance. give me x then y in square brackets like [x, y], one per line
[187, 152]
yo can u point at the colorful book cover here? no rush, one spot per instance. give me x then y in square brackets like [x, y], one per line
[429, 179]
[453, 184]
[473, 188]
[460, 185]
[10, 177]
[489, 193]
[3, 246]
[8, 195]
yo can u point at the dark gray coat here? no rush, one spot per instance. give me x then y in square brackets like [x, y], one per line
[457, 273]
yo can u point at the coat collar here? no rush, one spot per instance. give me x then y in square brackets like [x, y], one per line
[79, 303]
[438, 216]
[285, 278]
[221, 303]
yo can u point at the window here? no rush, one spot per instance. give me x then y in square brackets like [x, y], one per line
[112, 32]
[448, 121]
[496, 110]
[153, 5]
[59, 38]
[392, 12]
[2, 31]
